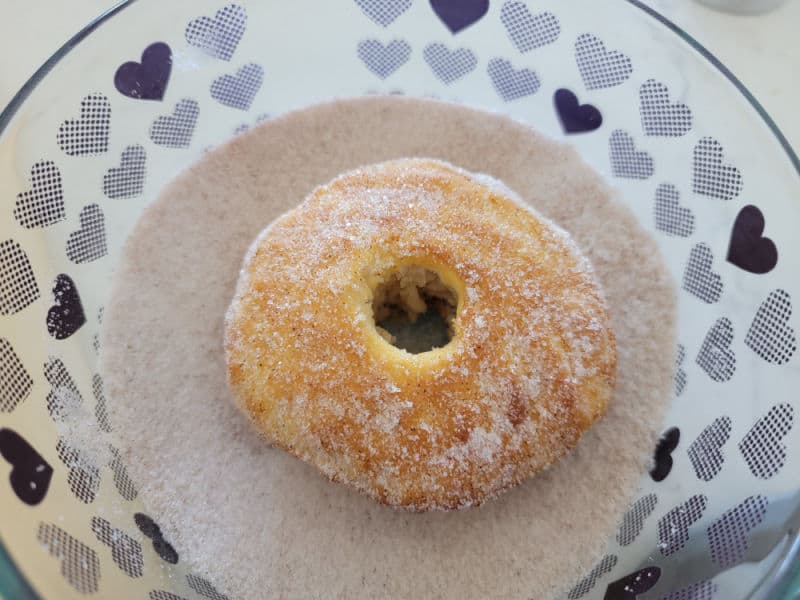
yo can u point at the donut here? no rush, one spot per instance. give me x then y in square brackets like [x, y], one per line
[527, 364]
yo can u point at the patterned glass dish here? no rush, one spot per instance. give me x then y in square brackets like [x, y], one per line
[143, 91]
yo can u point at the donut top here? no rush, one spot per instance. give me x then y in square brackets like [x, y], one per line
[530, 364]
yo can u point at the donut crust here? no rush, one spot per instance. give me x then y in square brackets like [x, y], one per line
[530, 367]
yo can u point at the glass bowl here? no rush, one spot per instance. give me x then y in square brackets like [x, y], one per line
[145, 89]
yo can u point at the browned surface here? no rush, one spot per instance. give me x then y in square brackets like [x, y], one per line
[531, 365]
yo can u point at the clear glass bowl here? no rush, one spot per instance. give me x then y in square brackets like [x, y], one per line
[78, 155]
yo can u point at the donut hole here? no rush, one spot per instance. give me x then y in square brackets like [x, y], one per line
[414, 309]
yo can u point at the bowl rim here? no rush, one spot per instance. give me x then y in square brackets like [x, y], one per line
[783, 581]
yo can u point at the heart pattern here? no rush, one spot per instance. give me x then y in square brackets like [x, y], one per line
[585, 585]
[15, 381]
[127, 180]
[449, 65]
[100, 408]
[96, 336]
[712, 177]
[384, 12]
[238, 91]
[79, 564]
[633, 521]
[680, 372]
[671, 217]
[66, 315]
[702, 590]
[762, 448]
[705, 452]
[528, 31]
[728, 535]
[512, 84]
[162, 595]
[126, 552]
[30, 473]
[457, 15]
[575, 117]
[146, 80]
[218, 36]
[770, 334]
[151, 530]
[176, 130]
[384, 60]
[88, 134]
[18, 288]
[600, 68]
[699, 279]
[122, 480]
[716, 357]
[748, 248]
[64, 398]
[662, 457]
[88, 243]
[626, 161]
[630, 586]
[673, 527]
[43, 204]
[84, 475]
[204, 588]
[659, 115]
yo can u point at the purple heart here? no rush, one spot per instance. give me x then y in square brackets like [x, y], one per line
[748, 248]
[630, 586]
[30, 473]
[575, 117]
[66, 314]
[460, 14]
[148, 79]
[662, 458]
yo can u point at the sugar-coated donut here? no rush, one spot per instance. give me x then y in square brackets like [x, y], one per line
[530, 366]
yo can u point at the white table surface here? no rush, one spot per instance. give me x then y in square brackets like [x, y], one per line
[762, 51]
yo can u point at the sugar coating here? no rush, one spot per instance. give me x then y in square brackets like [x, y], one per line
[530, 367]
[261, 523]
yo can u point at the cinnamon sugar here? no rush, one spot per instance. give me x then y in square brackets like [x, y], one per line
[260, 523]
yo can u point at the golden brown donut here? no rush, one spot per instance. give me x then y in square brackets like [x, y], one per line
[530, 366]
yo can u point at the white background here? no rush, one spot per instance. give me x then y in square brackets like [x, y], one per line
[762, 51]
